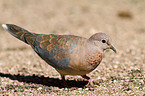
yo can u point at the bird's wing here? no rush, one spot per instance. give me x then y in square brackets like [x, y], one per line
[55, 49]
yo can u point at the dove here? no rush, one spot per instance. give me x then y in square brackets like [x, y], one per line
[68, 54]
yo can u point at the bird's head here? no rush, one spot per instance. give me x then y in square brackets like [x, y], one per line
[102, 40]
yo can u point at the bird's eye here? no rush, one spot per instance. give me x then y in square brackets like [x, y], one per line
[103, 41]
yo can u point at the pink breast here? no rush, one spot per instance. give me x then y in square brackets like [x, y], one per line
[95, 60]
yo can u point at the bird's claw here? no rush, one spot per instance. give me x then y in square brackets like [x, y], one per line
[93, 81]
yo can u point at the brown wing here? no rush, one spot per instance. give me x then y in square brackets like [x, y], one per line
[55, 49]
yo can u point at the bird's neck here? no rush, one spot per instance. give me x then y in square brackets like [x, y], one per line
[93, 47]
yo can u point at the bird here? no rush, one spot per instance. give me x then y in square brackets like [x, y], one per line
[68, 54]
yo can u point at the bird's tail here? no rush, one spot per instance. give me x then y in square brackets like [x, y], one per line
[20, 33]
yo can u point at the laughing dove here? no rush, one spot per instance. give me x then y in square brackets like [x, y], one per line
[68, 54]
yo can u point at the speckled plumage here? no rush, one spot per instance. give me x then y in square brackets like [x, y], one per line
[68, 54]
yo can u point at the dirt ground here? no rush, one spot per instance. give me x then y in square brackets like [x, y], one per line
[22, 72]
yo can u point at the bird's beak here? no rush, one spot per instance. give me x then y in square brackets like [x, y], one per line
[111, 47]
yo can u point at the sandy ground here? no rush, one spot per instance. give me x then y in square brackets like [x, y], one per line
[22, 72]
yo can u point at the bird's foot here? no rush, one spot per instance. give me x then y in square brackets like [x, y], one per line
[91, 81]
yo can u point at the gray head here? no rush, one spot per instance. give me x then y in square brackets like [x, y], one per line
[103, 40]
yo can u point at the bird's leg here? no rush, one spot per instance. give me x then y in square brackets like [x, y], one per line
[91, 81]
[63, 80]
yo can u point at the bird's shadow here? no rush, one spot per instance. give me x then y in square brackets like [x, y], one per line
[45, 80]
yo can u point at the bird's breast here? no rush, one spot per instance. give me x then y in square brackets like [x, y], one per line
[93, 60]
[79, 67]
